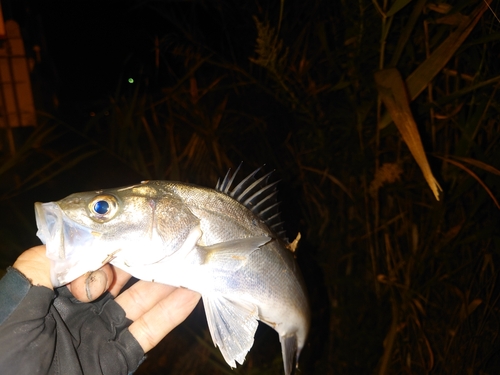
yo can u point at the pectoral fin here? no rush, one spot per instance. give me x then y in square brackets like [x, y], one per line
[232, 326]
[231, 255]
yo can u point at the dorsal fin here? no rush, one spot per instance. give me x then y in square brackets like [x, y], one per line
[256, 194]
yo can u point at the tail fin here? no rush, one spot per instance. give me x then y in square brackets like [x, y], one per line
[289, 351]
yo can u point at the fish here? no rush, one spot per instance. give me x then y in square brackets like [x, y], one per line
[226, 243]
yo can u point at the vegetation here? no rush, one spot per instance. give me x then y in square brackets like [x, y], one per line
[382, 121]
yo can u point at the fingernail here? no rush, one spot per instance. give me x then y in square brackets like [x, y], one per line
[96, 284]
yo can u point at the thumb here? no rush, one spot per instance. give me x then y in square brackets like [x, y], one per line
[91, 285]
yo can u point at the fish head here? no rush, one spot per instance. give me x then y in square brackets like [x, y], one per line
[138, 224]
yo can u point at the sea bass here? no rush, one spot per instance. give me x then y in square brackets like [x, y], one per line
[223, 243]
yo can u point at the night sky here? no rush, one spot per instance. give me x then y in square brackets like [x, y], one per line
[89, 47]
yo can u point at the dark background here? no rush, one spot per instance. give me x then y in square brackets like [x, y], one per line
[398, 282]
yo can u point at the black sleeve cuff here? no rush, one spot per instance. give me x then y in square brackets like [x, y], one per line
[61, 335]
[14, 287]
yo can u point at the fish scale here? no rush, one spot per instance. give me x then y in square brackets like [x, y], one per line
[199, 238]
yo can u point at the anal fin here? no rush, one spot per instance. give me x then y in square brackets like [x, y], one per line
[289, 351]
[232, 326]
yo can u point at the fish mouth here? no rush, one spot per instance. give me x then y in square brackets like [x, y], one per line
[65, 242]
[49, 223]
[61, 234]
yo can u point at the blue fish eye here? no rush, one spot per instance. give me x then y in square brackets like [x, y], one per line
[101, 207]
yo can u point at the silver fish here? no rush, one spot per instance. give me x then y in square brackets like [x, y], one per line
[221, 243]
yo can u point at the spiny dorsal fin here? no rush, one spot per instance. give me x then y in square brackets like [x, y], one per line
[256, 194]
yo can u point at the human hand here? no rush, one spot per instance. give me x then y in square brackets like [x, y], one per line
[155, 309]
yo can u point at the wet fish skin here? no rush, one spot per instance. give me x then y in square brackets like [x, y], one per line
[190, 236]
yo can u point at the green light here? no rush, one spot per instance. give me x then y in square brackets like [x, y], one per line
[130, 80]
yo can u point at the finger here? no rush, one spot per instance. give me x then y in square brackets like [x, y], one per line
[93, 284]
[120, 279]
[167, 314]
[141, 297]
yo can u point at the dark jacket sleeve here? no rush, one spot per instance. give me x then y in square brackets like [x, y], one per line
[50, 332]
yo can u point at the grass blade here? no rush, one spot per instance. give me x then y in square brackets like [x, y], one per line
[393, 93]
[471, 173]
[425, 73]
[420, 78]
[479, 164]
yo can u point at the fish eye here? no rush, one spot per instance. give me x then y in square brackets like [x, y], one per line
[103, 207]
